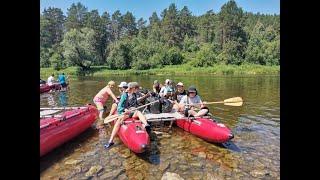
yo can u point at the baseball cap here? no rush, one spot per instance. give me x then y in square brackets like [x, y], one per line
[179, 84]
[123, 84]
[133, 85]
[192, 89]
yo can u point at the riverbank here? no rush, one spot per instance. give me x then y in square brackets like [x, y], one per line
[101, 71]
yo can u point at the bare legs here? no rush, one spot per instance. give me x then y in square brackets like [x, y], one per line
[113, 108]
[202, 112]
[119, 121]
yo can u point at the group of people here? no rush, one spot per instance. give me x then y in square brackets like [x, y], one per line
[61, 83]
[132, 96]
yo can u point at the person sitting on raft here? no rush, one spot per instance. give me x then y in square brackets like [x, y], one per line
[167, 90]
[101, 98]
[156, 86]
[122, 88]
[128, 100]
[178, 94]
[42, 82]
[189, 102]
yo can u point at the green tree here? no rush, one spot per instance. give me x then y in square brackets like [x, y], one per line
[79, 49]
[129, 26]
[52, 24]
[205, 56]
[264, 46]
[116, 25]
[143, 31]
[76, 16]
[44, 57]
[230, 36]
[120, 55]
[45, 39]
[154, 33]
[171, 28]
[206, 26]
[186, 24]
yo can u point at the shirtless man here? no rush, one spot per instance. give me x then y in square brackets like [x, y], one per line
[101, 98]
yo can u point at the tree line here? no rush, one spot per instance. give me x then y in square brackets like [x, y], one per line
[85, 38]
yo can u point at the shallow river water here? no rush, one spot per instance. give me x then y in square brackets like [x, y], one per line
[256, 126]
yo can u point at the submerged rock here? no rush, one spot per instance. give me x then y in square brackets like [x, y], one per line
[112, 174]
[73, 162]
[125, 153]
[164, 166]
[94, 170]
[171, 176]
[115, 162]
[202, 155]
[257, 173]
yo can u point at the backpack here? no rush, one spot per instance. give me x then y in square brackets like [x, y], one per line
[154, 108]
[166, 106]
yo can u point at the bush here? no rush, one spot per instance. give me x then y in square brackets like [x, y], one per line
[205, 57]
[172, 57]
[57, 62]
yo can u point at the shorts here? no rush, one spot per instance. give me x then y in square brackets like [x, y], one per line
[99, 103]
[64, 85]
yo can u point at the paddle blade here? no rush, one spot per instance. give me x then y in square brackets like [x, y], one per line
[110, 118]
[234, 104]
[233, 100]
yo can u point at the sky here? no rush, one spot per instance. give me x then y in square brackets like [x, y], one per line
[144, 8]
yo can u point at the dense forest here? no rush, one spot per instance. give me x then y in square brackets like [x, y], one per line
[85, 38]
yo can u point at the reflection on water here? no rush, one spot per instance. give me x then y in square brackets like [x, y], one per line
[256, 126]
[63, 99]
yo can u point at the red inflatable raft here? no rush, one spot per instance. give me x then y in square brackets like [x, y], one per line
[206, 129]
[134, 135]
[55, 131]
[45, 88]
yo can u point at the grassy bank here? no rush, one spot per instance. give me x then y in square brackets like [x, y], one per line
[100, 71]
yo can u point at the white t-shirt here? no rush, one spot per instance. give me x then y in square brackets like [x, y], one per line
[191, 100]
[50, 80]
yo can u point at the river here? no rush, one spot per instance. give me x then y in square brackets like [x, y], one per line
[256, 126]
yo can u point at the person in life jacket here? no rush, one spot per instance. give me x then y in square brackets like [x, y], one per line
[167, 88]
[122, 88]
[128, 100]
[156, 86]
[192, 101]
[178, 94]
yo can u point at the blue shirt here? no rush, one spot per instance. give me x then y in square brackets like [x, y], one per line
[61, 79]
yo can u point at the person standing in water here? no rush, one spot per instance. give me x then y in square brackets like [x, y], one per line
[62, 81]
[101, 98]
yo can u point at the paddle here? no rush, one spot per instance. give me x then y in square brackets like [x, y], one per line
[116, 116]
[235, 101]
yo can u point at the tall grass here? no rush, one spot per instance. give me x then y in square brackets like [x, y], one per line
[101, 71]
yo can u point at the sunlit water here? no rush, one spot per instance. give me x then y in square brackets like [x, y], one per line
[256, 126]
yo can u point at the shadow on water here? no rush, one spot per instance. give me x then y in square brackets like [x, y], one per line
[230, 146]
[64, 150]
[152, 154]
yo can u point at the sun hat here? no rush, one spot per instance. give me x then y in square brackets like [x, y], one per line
[123, 84]
[179, 84]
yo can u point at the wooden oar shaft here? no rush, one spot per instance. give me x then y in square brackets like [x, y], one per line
[218, 102]
[112, 118]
